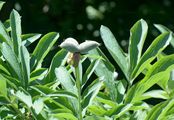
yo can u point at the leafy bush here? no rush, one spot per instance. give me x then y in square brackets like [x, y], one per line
[126, 99]
[69, 92]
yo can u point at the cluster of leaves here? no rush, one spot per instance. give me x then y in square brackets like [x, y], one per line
[126, 99]
[29, 91]
[62, 92]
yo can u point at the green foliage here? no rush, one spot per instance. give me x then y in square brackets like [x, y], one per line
[30, 91]
[65, 92]
[130, 96]
[1, 4]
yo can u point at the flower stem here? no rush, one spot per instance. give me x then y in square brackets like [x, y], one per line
[78, 84]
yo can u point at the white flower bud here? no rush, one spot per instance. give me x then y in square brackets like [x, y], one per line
[87, 46]
[70, 44]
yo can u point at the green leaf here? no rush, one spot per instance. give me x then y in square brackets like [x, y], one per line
[170, 117]
[157, 46]
[94, 118]
[27, 39]
[38, 105]
[171, 81]
[139, 115]
[105, 69]
[4, 37]
[41, 89]
[64, 77]
[161, 68]
[62, 93]
[90, 92]
[1, 4]
[24, 98]
[3, 86]
[38, 74]
[137, 37]
[164, 29]
[97, 110]
[12, 82]
[15, 23]
[155, 94]
[90, 70]
[61, 103]
[25, 62]
[3, 100]
[160, 111]
[4, 68]
[42, 48]
[67, 116]
[102, 98]
[119, 110]
[114, 49]
[11, 58]
[121, 87]
[7, 25]
[58, 60]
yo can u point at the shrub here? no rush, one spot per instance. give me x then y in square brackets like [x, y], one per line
[69, 92]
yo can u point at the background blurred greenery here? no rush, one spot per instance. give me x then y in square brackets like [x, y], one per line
[81, 19]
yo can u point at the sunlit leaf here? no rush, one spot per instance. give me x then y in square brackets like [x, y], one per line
[114, 49]
[137, 37]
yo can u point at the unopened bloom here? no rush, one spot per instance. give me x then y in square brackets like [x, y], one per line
[75, 49]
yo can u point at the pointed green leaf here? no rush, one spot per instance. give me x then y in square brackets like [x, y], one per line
[90, 92]
[137, 37]
[27, 39]
[11, 58]
[155, 94]
[3, 86]
[42, 48]
[4, 37]
[114, 48]
[161, 68]
[157, 46]
[25, 62]
[164, 29]
[160, 111]
[24, 98]
[4, 68]
[7, 25]
[65, 116]
[15, 23]
[97, 110]
[38, 74]
[171, 81]
[94, 118]
[3, 101]
[119, 110]
[105, 69]
[12, 82]
[90, 70]
[38, 105]
[1, 4]
[62, 93]
[43, 90]
[58, 60]
[64, 77]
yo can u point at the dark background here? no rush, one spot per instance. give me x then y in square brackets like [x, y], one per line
[81, 19]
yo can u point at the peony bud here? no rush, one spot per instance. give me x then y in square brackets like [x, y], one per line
[87, 46]
[70, 44]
